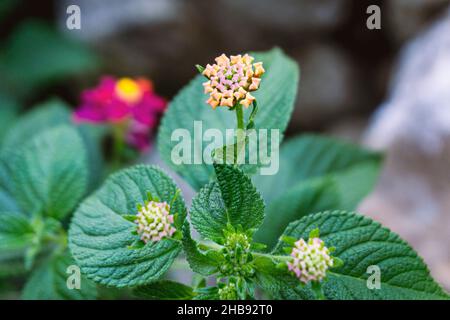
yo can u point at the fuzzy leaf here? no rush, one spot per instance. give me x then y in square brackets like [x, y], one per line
[360, 243]
[49, 282]
[165, 290]
[99, 236]
[49, 172]
[275, 98]
[198, 261]
[232, 199]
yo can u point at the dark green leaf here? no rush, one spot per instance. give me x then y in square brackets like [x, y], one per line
[165, 290]
[360, 243]
[198, 261]
[231, 200]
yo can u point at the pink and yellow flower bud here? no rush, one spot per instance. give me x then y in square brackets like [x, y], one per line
[310, 260]
[233, 78]
[154, 222]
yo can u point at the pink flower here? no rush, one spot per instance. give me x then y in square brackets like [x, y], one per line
[124, 100]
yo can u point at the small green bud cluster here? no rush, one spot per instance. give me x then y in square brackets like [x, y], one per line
[228, 292]
[236, 252]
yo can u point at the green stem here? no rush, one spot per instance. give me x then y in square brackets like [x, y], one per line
[240, 116]
[317, 289]
[118, 144]
[217, 247]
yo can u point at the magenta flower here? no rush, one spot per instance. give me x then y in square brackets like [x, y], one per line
[128, 102]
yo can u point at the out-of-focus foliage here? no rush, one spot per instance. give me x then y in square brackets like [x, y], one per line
[36, 54]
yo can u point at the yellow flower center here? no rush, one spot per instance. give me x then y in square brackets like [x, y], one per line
[128, 90]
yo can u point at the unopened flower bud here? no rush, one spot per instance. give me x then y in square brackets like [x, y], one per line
[310, 260]
[154, 221]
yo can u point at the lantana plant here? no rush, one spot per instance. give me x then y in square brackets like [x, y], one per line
[291, 235]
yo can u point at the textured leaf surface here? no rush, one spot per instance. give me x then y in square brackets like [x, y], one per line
[231, 199]
[49, 282]
[49, 172]
[275, 100]
[198, 261]
[360, 243]
[165, 290]
[311, 156]
[99, 235]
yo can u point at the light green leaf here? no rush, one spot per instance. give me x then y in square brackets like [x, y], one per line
[51, 114]
[49, 282]
[313, 195]
[232, 199]
[99, 236]
[165, 290]
[198, 261]
[16, 231]
[54, 56]
[353, 169]
[49, 172]
[275, 98]
[360, 243]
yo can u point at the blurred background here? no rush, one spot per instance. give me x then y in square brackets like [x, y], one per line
[388, 89]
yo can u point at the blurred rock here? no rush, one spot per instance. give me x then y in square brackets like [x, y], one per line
[405, 18]
[413, 127]
[418, 105]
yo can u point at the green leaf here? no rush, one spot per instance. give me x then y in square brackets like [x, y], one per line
[49, 282]
[51, 114]
[16, 231]
[49, 172]
[8, 114]
[7, 203]
[99, 235]
[353, 169]
[360, 243]
[199, 262]
[275, 98]
[232, 199]
[313, 195]
[165, 290]
[54, 56]
[278, 283]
